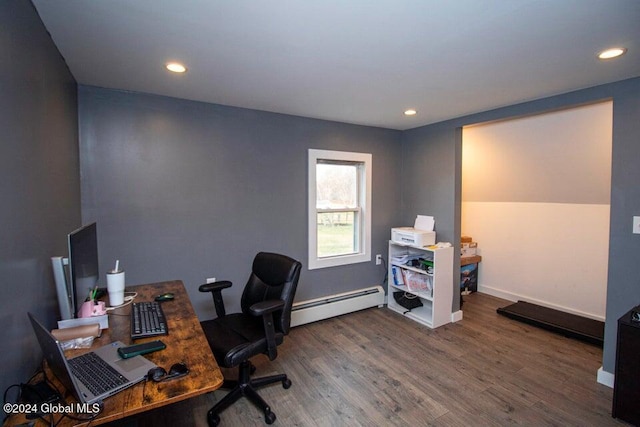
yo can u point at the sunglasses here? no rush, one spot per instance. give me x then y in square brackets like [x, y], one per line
[160, 374]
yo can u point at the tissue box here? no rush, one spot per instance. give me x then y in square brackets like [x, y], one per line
[413, 236]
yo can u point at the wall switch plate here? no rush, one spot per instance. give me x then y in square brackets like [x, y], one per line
[378, 259]
[636, 225]
[211, 279]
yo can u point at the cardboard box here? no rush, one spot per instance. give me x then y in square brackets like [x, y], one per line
[469, 249]
[466, 239]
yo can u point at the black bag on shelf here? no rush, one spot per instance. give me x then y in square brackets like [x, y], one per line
[407, 301]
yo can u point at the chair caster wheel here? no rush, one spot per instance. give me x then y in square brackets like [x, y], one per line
[213, 419]
[286, 383]
[269, 417]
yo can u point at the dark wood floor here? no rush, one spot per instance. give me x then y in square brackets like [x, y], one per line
[376, 368]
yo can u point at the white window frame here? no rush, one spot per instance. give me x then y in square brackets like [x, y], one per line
[364, 202]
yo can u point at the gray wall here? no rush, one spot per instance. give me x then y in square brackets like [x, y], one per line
[188, 190]
[436, 148]
[431, 160]
[39, 181]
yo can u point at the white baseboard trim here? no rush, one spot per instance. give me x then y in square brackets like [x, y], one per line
[509, 296]
[605, 378]
[456, 316]
[483, 289]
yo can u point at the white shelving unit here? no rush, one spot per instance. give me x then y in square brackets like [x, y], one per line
[436, 302]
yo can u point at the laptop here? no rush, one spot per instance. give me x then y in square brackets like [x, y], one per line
[86, 375]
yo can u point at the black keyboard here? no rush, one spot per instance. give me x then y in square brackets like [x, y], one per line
[147, 320]
[95, 373]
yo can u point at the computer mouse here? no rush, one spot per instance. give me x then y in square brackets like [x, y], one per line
[165, 297]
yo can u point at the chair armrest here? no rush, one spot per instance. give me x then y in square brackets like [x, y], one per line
[216, 292]
[266, 309]
[263, 307]
[215, 286]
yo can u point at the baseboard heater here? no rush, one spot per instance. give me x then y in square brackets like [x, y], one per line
[335, 305]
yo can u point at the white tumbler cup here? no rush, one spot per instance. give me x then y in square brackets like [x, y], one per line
[115, 287]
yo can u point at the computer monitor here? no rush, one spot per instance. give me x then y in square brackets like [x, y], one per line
[77, 275]
[83, 264]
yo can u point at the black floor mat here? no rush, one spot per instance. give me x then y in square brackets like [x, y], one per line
[570, 325]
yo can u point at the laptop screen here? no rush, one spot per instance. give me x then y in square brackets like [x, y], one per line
[54, 356]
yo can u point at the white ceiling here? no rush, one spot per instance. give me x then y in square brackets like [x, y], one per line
[354, 61]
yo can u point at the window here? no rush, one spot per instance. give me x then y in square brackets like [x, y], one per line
[339, 208]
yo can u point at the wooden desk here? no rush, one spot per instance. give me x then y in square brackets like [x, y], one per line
[185, 343]
[466, 260]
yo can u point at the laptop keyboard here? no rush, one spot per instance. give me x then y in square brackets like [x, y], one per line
[147, 320]
[95, 373]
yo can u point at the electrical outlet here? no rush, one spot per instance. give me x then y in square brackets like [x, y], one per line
[378, 259]
[636, 225]
[211, 279]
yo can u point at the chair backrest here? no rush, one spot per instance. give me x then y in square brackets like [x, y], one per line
[273, 276]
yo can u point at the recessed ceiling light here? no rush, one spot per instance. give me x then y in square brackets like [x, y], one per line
[612, 53]
[176, 67]
[410, 112]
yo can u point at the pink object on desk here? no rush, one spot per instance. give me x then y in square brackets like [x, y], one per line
[90, 308]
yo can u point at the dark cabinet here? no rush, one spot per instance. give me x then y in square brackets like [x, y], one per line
[626, 389]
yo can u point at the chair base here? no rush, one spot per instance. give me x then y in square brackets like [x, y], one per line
[245, 386]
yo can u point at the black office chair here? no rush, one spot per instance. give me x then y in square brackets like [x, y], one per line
[265, 320]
